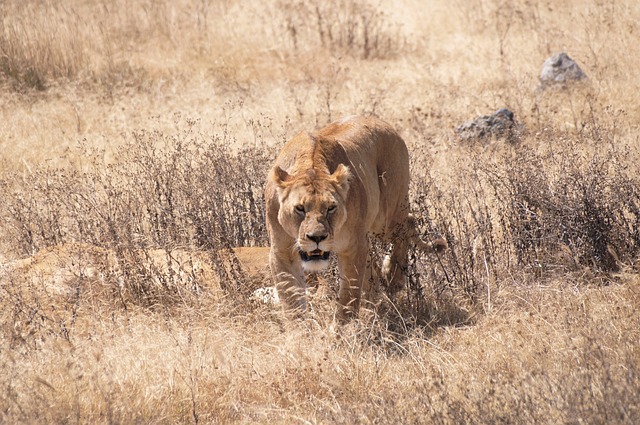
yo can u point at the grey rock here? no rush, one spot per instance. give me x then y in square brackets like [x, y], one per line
[500, 124]
[559, 70]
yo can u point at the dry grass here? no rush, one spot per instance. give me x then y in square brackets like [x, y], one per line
[135, 141]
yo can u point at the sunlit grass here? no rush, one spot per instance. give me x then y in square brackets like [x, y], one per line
[135, 143]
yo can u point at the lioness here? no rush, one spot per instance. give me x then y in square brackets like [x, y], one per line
[326, 193]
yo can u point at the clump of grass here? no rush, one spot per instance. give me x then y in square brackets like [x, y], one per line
[29, 57]
[52, 42]
[355, 28]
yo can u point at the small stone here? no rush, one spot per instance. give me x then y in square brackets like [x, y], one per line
[500, 124]
[560, 70]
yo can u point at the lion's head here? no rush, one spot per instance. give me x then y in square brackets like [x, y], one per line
[312, 210]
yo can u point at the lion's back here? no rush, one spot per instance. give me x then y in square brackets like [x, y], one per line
[379, 157]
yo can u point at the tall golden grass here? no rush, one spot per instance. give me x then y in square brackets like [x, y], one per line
[135, 140]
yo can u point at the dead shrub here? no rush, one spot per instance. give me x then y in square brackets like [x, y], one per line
[533, 212]
[565, 199]
[162, 192]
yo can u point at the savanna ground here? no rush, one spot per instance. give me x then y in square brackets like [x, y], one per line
[134, 142]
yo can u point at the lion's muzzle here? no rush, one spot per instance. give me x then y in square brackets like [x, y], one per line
[314, 247]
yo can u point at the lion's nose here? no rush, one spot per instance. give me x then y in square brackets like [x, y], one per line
[317, 238]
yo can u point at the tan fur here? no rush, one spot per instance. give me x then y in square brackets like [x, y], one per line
[58, 268]
[328, 192]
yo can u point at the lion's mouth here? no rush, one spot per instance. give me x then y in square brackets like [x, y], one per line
[315, 255]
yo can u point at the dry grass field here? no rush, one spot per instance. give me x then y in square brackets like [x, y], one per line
[135, 139]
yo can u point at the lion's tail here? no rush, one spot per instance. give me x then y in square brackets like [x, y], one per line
[439, 244]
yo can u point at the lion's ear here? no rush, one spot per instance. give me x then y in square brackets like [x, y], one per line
[342, 178]
[279, 176]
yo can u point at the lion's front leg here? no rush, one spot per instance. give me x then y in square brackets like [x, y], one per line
[353, 271]
[289, 281]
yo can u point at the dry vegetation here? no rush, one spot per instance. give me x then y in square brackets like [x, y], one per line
[135, 139]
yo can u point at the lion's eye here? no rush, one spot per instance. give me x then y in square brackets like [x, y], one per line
[300, 209]
[331, 209]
